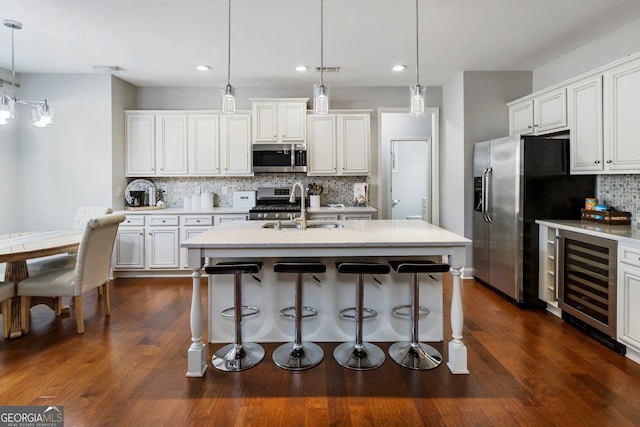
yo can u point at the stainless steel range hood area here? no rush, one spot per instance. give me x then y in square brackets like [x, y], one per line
[279, 158]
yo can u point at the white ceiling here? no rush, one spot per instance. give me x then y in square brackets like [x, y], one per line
[159, 42]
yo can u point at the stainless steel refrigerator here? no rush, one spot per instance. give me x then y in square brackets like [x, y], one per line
[517, 180]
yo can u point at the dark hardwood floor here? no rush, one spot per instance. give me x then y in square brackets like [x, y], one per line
[527, 368]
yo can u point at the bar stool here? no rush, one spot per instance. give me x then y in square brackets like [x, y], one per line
[298, 355]
[359, 355]
[414, 354]
[238, 356]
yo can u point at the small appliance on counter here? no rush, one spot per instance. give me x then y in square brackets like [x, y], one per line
[360, 194]
[244, 199]
[141, 194]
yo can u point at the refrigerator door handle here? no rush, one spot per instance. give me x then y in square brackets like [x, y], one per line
[483, 197]
[487, 195]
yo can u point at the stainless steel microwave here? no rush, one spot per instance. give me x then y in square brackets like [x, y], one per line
[279, 158]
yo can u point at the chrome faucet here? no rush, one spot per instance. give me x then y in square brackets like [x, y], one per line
[303, 211]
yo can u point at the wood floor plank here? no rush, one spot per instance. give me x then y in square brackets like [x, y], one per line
[528, 368]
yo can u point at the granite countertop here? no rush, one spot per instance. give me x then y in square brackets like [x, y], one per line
[622, 233]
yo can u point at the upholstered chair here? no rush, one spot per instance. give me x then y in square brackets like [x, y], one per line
[7, 291]
[91, 271]
[39, 265]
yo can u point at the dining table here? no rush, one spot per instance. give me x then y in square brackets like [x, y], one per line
[17, 248]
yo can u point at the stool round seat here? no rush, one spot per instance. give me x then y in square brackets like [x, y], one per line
[298, 355]
[239, 355]
[358, 354]
[414, 354]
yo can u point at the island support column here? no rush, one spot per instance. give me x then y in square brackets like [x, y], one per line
[197, 353]
[457, 350]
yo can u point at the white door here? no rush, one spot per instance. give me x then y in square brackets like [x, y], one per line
[410, 178]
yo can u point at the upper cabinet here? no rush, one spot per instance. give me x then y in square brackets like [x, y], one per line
[187, 144]
[585, 123]
[338, 144]
[281, 120]
[540, 114]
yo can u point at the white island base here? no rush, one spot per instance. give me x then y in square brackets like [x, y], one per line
[379, 240]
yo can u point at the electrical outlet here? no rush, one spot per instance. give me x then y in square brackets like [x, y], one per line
[119, 190]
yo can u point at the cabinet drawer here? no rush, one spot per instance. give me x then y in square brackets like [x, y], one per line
[163, 220]
[629, 254]
[133, 220]
[197, 220]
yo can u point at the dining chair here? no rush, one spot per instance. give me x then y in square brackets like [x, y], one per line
[7, 291]
[83, 214]
[91, 271]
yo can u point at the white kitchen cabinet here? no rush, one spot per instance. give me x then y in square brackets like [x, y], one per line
[235, 131]
[279, 120]
[547, 281]
[338, 144]
[322, 157]
[628, 324]
[621, 118]
[162, 242]
[128, 249]
[204, 144]
[140, 145]
[540, 114]
[171, 144]
[192, 225]
[222, 218]
[584, 108]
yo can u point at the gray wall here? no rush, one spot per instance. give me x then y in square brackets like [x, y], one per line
[123, 97]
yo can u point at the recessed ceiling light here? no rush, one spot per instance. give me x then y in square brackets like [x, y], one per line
[107, 69]
[399, 67]
[203, 67]
[301, 68]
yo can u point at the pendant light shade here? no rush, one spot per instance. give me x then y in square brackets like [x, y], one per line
[228, 92]
[417, 92]
[41, 112]
[321, 92]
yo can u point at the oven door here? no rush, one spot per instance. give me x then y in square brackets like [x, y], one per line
[587, 278]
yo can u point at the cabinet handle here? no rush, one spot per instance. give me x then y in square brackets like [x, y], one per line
[529, 127]
[164, 220]
[597, 162]
[197, 220]
[609, 161]
[535, 126]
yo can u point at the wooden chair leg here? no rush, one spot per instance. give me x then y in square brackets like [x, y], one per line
[79, 315]
[58, 306]
[107, 301]
[25, 311]
[6, 317]
[100, 290]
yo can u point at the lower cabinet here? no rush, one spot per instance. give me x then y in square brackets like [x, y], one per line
[330, 216]
[192, 225]
[128, 249]
[547, 282]
[162, 242]
[628, 324]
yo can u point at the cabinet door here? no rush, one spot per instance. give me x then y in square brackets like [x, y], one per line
[162, 247]
[585, 125]
[628, 302]
[353, 144]
[187, 233]
[321, 145]
[521, 118]
[293, 121]
[128, 249]
[171, 144]
[140, 145]
[236, 140]
[204, 147]
[265, 127]
[621, 121]
[550, 111]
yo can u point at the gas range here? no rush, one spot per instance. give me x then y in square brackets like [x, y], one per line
[273, 203]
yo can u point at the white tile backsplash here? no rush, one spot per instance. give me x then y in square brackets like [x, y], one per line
[335, 189]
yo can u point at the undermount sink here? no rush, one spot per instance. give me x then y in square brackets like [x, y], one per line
[289, 225]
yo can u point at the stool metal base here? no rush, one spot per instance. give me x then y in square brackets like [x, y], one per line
[418, 356]
[308, 355]
[368, 356]
[233, 358]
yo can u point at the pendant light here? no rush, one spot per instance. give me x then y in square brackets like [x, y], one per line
[229, 93]
[417, 91]
[321, 92]
[42, 114]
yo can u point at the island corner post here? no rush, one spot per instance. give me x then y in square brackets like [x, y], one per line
[201, 247]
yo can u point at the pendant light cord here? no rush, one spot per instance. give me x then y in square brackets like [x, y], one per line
[13, 67]
[229, 48]
[322, 42]
[417, 50]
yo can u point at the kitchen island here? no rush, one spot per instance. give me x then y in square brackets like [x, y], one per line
[376, 240]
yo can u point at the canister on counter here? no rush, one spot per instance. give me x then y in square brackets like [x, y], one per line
[590, 203]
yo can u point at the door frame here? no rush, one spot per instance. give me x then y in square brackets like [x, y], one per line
[384, 163]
